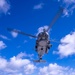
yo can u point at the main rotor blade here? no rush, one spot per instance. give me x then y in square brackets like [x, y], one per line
[59, 42]
[55, 18]
[20, 32]
[55, 41]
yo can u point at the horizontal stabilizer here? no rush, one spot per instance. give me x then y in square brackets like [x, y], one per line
[39, 61]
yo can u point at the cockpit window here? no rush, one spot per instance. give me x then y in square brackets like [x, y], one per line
[42, 35]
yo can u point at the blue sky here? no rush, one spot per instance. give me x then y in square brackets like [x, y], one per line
[17, 51]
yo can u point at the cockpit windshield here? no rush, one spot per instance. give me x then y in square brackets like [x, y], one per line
[43, 36]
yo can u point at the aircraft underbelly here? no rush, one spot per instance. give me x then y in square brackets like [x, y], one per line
[43, 43]
[41, 49]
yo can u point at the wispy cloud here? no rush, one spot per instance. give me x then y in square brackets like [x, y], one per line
[14, 34]
[25, 41]
[4, 6]
[67, 46]
[68, 5]
[4, 37]
[38, 6]
[18, 46]
[2, 45]
[25, 55]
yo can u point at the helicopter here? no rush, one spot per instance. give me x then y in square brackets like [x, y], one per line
[42, 39]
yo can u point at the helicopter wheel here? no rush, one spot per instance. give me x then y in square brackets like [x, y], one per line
[36, 47]
[41, 48]
[40, 58]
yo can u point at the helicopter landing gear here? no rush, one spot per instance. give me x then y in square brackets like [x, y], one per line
[41, 48]
[36, 47]
[40, 58]
[48, 47]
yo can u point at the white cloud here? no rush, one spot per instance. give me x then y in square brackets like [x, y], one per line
[29, 69]
[21, 55]
[2, 45]
[3, 63]
[16, 66]
[14, 34]
[4, 37]
[68, 5]
[4, 6]
[38, 6]
[54, 69]
[25, 55]
[67, 46]
[40, 29]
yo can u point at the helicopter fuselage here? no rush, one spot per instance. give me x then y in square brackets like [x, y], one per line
[42, 44]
